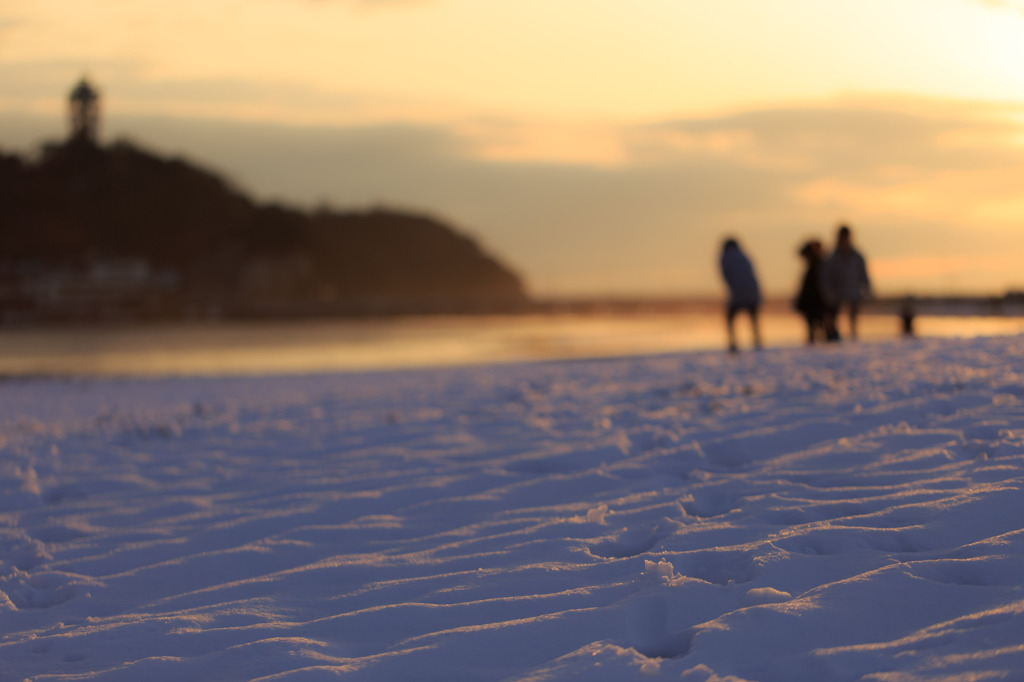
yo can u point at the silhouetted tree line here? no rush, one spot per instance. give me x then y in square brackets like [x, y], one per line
[80, 203]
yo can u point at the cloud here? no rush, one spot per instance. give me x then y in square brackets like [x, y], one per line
[9, 24]
[127, 88]
[1013, 5]
[851, 137]
[377, 4]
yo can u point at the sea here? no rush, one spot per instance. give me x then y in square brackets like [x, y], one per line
[359, 345]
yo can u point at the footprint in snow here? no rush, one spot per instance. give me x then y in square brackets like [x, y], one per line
[41, 590]
[646, 628]
[632, 542]
[720, 567]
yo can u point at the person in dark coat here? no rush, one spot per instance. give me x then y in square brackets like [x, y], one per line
[846, 281]
[744, 292]
[810, 301]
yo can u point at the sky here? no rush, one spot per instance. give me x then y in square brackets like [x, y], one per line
[598, 147]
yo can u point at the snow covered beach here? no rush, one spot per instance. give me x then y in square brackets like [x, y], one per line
[827, 514]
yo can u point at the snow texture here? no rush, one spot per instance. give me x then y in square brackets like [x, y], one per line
[848, 513]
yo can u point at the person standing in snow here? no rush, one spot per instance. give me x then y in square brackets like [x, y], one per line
[744, 293]
[810, 301]
[846, 283]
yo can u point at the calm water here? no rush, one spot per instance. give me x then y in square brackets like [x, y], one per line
[317, 346]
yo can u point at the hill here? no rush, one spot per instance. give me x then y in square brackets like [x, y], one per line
[116, 231]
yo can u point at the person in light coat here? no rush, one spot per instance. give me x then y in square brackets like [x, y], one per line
[846, 281]
[744, 292]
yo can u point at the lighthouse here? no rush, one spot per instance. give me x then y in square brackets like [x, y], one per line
[85, 112]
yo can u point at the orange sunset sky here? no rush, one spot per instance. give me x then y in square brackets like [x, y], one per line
[597, 146]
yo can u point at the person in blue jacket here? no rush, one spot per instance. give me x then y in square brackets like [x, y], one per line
[744, 292]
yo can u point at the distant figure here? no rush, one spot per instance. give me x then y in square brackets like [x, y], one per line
[907, 317]
[744, 293]
[811, 299]
[845, 276]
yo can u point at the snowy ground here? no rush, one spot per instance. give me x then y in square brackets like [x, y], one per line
[831, 514]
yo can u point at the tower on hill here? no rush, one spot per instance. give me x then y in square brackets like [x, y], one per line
[85, 112]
